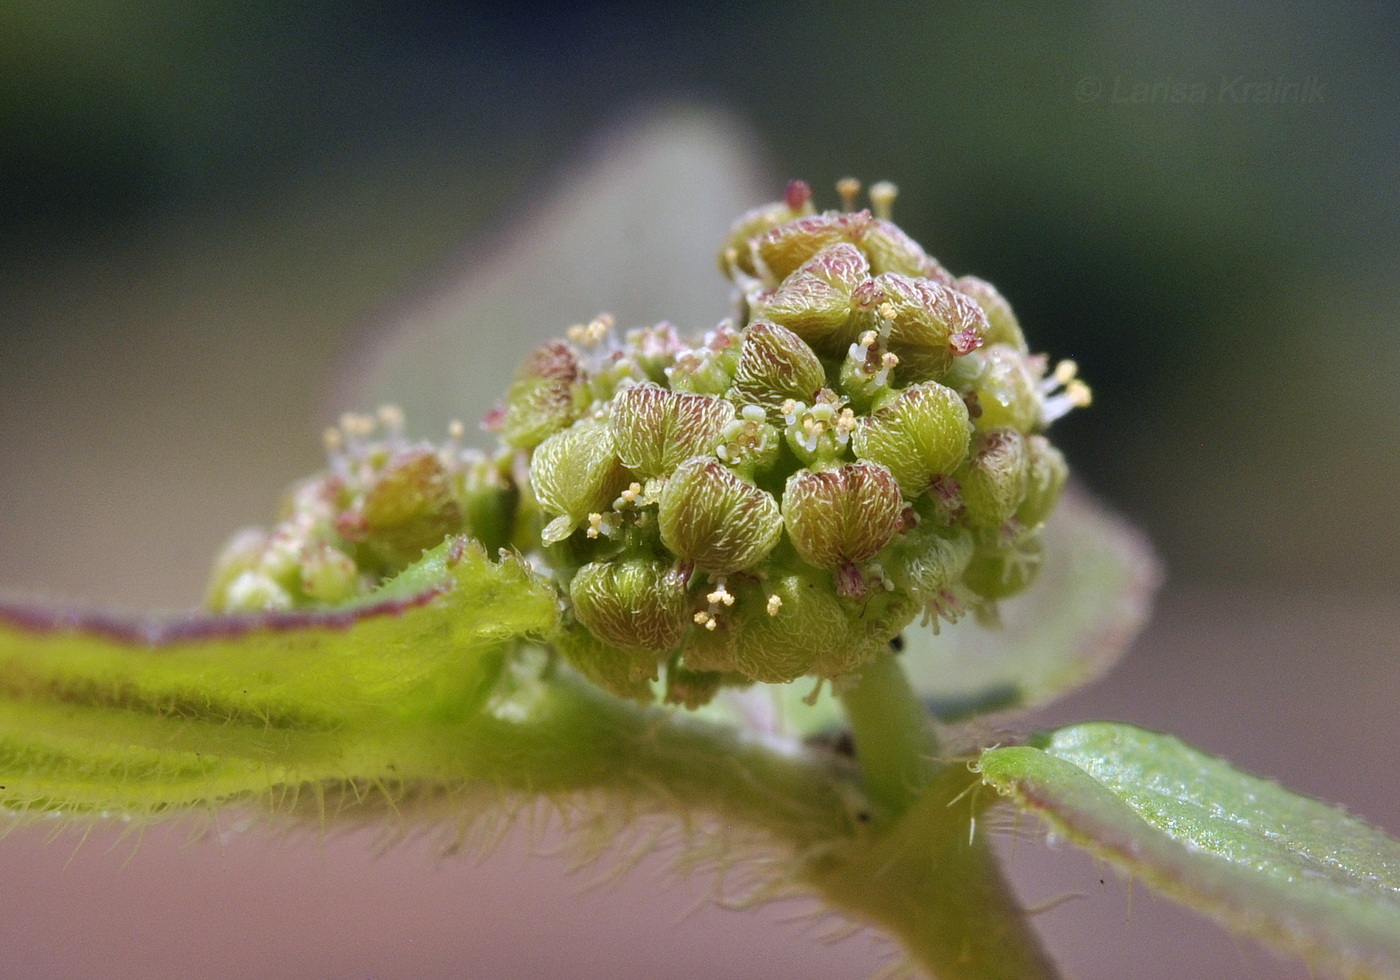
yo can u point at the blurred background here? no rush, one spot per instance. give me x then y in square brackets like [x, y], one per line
[208, 211]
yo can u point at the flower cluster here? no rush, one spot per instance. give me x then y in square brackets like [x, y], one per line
[860, 442]
[381, 502]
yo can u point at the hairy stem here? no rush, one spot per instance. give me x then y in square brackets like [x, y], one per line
[922, 874]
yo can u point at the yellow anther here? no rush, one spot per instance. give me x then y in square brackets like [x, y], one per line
[1079, 394]
[1065, 371]
[720, 595]
[887, 310]
[596, 526]
[775, 602]
[882, 197]
[849, 189]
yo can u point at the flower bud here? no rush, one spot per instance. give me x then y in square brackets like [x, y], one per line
[633, 602]
[1002, 568]
[709, 368]
[1046, 475]
[814, 302]
[409, 508]
[655, 429]
[1002, 325]
[328, 574]
[691, 688]
[575, 473]
[625, 672]
[781, 634]
[711, 517]
[653, 349]
[242, 553]
[841, 516]
[490, 500]
[752, 224]
[818, 435]
[540, 400]
[889, 249]
[749, 444]
[775, 365]
[927, 323]
[993, 479]
[928, 559]
[253, 591]
[921, 433]
[777, 254]
[711, 650]
[1007, 389]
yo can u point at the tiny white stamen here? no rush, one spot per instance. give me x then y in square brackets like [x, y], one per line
[882, 197]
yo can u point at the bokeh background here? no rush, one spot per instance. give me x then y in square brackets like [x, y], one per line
[207, 209]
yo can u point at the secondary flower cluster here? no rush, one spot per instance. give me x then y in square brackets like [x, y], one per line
[779, 498]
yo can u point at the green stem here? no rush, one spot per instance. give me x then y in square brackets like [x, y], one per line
[894, 736]
[922, 873]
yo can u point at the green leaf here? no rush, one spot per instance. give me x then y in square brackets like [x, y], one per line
[140, 716]
[1298, 874]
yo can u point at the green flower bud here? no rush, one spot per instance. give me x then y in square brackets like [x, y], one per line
[328, 574]
[691, 688]
[924, 323]
[779, 253]
[242, 553]
[653, 349]
[735, 254]
[775, 365]
[814, 302]
[656, 430]
[928, 560]
[841, 516]
[707, 369]
[711, 648]
[627, 673]
[634, 602]
[1004, 566]
[781, 633]
[541, 398]
[749, 445]
[408, 508]
[711, 517]
[1046, 475]
[254, 591]
[889, 249]
[1002, 325]
[490, 501]
[921, 433]
[818, 435]
[993, 480]
[1007, 389]
[576, 473]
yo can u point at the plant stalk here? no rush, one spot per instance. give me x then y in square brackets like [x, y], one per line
[922, 873]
